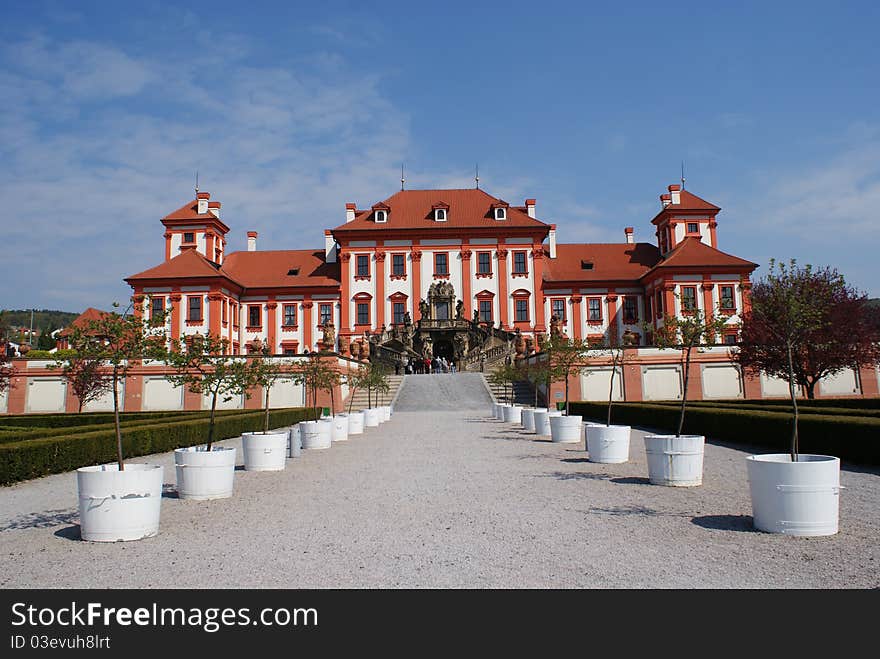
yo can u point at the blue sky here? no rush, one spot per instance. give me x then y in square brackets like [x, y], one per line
[290, 110]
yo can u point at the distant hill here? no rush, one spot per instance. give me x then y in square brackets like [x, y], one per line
[42, 318]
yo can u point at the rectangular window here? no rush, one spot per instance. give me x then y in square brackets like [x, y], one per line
[325, 313]
[289, 351]
[398, 309]
[189, 238]
[398, 264]
[659, 304]
[194, 306]
[727, 299]
[688, 298]
[648, 306]
[730, 339]
[519, 263]
[235, 316]
[254, 313]
[363, 265]
[594, 309]
[557, 308]
[630, 310]
[157, 307]
[441, 263]
[289, 315]
[224, 305]
[363, 313]
[693, 227]
[486, 311]
[521, 309]
[484, 263]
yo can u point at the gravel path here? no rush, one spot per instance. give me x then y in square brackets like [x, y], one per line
[447, 499]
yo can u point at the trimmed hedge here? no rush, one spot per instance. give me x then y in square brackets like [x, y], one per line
[66, 419]
[856, 439]
[747, 405]
[51, 455]
[851, 403]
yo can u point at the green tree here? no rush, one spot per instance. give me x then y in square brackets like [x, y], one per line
[536, 373]
[201, 365]
[356, 380]
[266, 372]
[685, 333]
[505, 376]
[313, 373]
[120, 341]
[565, 358]
[86, 375]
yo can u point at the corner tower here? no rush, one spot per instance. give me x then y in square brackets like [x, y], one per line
[684, 215]
[196, 226]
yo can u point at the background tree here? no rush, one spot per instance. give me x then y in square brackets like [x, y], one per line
[86, 375]
[356, 380]
[121, 341]
[806, 324]
[377, 380]
[616, 349]
[313, 373]
[687, 332]
[201, 365]
[536, 373]
[565, 357]
[505, 376]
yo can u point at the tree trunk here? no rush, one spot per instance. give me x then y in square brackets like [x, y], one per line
[266, 414]
[80, 406]
[611, 391]
[811, 387]
[116, 419]
[566, 394]
[351, 400]
[211, 424]
[684, 389]
[792, 393]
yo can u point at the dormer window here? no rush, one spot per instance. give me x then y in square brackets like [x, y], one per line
[189, 238]
[586, 265]
[440, 214]
[500, 213]
[381, 216]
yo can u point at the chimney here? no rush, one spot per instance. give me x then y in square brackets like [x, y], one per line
[202, 199]
[252, 241]
[349, 212]
[530, 207]
[552, 240]
[675, 194]
[329, 247]
[665, 200]
[214, 208]
[629, 235]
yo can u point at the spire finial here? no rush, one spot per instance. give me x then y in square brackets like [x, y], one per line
[197, 183]
[682, 174]
[477, 175]
[402, 179]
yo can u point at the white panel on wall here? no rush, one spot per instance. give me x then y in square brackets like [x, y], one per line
[105, 402]
[596, 381]
[844, 383]
[286, 394]
[773, 387]
[661, 383]
[4, 400]
[721, 381]
[46, 394]
[159, 394]
[234, 403]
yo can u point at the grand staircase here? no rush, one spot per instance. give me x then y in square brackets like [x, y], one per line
[523, 393]
[359, 401]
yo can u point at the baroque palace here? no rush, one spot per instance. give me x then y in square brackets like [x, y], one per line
[452, 273]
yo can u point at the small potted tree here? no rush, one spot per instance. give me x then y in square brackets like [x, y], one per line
[565, 357]
[536, 374]
[267, 449]
[804, 324]
[356, 380]
[606, 443]
[200, 364]
[312, 373]
[118, 501]
[377, 382]
[86, 375]
[677, 460]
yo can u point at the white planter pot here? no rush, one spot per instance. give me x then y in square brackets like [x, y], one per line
[264, 451]
[527, 419]
[499, 412]
[542, 420]
[325, 426]
[566, 429]
[386, 411]
[204, 474]
[119, 505]
[372, 417]
[313, 435]
[356, 423]
[294, 442]
[340, 428]
[795, 498]
[494, 411]
[607, 444]
[675, 461]
[513, 414]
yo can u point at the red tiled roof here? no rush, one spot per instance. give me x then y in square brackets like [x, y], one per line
[611, 262]
[687, 202]
[269, 269]
[189, 263]
[412, 209]
[692, 252]
[89, 315]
